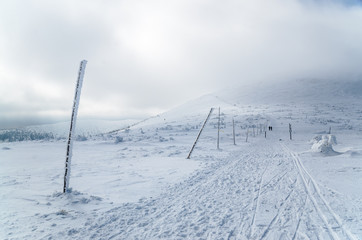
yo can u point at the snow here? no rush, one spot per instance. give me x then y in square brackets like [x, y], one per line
[136, 183]
[324, 144]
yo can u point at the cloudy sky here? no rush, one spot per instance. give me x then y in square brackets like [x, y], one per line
[147, 56]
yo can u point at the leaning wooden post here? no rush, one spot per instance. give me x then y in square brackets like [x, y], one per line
[290, 131]
[72, 124]
[234, 131]
[198, 136]
[218, 131]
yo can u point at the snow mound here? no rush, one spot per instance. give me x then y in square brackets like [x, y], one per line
[324, 144]
[74, 197]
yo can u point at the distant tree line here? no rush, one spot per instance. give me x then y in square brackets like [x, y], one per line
[18, 135]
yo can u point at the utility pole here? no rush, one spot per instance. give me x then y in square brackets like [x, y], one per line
[218, 131]
[261, 128]
[290, 131]
[247, 135]
[234, 131]
[72, 124]
[198, 136]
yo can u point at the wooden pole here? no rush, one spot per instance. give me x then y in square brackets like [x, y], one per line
[72, 124]
[218, 131]
[247, 135]
[197, 138]
[234, 131]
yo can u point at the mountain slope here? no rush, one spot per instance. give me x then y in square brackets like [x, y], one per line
[302, 90]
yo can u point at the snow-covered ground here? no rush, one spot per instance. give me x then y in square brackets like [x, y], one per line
[138, 184]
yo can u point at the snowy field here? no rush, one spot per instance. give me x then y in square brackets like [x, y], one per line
[138, 184]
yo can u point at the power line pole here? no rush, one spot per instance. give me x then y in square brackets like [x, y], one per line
[247, 135]
[197, 138]
[218, 131]
[234, 131]
[72, 124]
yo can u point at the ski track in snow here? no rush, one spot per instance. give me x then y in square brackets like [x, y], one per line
[332, 222]
[246, 195]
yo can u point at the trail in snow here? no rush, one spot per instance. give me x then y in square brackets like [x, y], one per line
[254, 193]
[256, 203]
[332, 222]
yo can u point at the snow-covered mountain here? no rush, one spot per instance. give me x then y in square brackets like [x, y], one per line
[299, 91]
[136, 183]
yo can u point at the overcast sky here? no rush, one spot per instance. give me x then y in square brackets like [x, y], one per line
[147, 56]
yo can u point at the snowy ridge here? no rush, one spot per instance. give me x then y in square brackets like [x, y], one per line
[302, 90]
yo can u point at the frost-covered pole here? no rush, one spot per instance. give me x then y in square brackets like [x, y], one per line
[247, 135]
[261, 128]
[78, 89]
[234, 131]
[218, 130]
[198, 136]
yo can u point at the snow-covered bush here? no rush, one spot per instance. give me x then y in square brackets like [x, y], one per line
[168, 127]
[119, 139]
[162, 139]
[81, 138]
[324, 144]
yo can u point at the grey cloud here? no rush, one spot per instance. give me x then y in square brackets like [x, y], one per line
[146, 55]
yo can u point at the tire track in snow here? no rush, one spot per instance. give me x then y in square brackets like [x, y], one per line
[328, 216]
